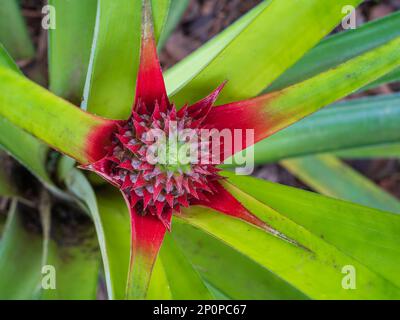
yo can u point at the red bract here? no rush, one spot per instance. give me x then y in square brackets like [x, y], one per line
[156, 188]
[154, 191]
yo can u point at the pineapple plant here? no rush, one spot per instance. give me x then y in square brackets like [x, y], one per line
[161, 227]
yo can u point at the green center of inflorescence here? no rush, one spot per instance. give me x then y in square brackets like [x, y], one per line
[174, 157]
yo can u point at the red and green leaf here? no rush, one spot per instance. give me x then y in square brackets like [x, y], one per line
[376, 119]
[53, 120]
[147, 236]
[25, 148]
[150, 85]
[147, 231]
[270, 113]
[114, 61]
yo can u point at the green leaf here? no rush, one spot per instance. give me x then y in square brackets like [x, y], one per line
[113, 224]
[175, 12]
[77, 267]
[160, 11]
[51, 118]
[233, 274]
[275, 40]
[111, 220]
[328, 175]
[177, 76]
[369, 236]
[389, 150]
[317, 237]
[356, 123]
[185, 283]
[315, 270]
[22, 146]
[71, 257]
[25, 148]
[216, 293]
[13, 32]
[110, 84]
[26, 255]
[6, 60]
[20, 258]
[159, 288]
[393, 76]
[339, 48]
[29, 151]
[69, 47]
[70, 260]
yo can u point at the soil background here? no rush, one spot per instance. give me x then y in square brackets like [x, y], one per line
[204, 19]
